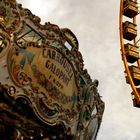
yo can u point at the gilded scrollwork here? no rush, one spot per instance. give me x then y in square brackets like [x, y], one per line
[48, 85]
[10, 18]
[4, 42]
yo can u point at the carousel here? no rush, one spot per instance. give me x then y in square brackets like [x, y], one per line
[45, 92]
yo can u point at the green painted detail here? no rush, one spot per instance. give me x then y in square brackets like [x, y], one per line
[82, 82]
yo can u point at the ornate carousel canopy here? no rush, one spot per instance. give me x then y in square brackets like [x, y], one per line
[45, 92]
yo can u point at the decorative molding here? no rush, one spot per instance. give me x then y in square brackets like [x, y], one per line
[44, 73]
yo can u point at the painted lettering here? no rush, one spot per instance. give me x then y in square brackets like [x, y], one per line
[58, 57]
[59, 73]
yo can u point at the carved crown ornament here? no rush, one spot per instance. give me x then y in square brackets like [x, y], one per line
[44, 88]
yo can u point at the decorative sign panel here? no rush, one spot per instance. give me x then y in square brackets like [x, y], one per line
[46, 70]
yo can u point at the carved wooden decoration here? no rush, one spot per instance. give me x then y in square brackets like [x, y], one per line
[45, 92]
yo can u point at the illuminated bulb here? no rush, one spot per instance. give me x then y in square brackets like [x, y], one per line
[41, 135]
[11, 35]
[1, 19]
[1, 42]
